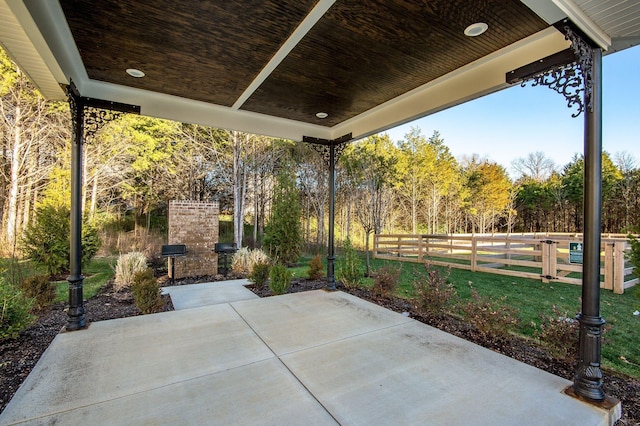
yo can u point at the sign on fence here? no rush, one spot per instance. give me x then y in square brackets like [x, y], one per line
[575, 253]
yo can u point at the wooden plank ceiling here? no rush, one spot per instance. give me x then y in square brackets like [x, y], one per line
[360, 54]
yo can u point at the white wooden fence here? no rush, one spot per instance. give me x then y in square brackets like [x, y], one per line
[543, 256]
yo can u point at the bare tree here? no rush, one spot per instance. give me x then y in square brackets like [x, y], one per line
[535, 166]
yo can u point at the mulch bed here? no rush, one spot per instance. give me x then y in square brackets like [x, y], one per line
[19, 356]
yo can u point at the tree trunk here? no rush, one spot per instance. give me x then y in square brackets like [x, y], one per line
[239, 188]
[366, 250]
[94, 197]
[12, 207]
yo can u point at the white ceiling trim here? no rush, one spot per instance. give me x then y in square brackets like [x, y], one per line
[308, 22]
[22, 40]
[586, 24]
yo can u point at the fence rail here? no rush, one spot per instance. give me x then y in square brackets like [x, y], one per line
[543, 256]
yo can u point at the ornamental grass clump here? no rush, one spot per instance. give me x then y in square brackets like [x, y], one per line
[241, 261]
[126, 269]
[146, 292]
[315, 268]
[279, 279]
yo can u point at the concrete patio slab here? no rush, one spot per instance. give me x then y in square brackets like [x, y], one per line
[118, 358]
[305, 358]
[415, 374]
[205, 294]
[221, 398]
[317, 317]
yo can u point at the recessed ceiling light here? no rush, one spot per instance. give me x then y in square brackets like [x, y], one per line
[476, 29]
[322, 115]
[135, 73]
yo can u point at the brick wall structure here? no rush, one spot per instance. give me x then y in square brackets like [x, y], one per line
[196, 225]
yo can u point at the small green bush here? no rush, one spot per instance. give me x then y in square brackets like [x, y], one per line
[315, 271]
[433, 292]
[280, 279]
[385, 279]
[491, 318]
[350, 268]
[146, 292]
[40, 289]
[559, 333]
[127, 267]
[15, 309]
[260, 273]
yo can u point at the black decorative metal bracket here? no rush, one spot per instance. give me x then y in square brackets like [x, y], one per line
[569, 73]
[95, 112]
[323, 147]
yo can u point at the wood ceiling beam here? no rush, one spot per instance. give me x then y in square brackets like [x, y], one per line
[311, 19]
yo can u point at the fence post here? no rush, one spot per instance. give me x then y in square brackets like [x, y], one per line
[375, 245]
[474, 247]
[553, 259]
[608, 266]
[544, 246]
[420, 248]
[618, 270]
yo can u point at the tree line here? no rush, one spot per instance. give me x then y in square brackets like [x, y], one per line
[135, 164]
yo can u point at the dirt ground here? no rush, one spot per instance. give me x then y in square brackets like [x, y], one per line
[19, 356]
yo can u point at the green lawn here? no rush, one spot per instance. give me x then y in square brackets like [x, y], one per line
[96, 273]
[532, 298]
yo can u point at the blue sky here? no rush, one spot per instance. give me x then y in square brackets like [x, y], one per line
[519, 120]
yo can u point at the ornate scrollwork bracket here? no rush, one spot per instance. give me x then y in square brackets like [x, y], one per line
[324, 147]
[92, 114]
[573, 80]
[96, 118]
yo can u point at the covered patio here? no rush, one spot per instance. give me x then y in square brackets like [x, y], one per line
[324, 72]
[312, 358]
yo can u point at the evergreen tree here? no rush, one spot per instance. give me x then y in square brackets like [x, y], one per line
[283, 236]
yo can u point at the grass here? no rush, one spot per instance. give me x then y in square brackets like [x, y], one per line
[96, 273]
[532, 298]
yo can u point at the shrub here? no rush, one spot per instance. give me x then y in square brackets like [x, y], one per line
[260, 273]
[385, 279]
[433, 292]
[350, 268]
[91, 241]
[315, 271]
[489, 317]
[280, 279]
[14, 311]
[127, 267]
[46, 239]
[40, 289]
[241, 261]
[283, 235]
[559, 333]
[146, 292]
